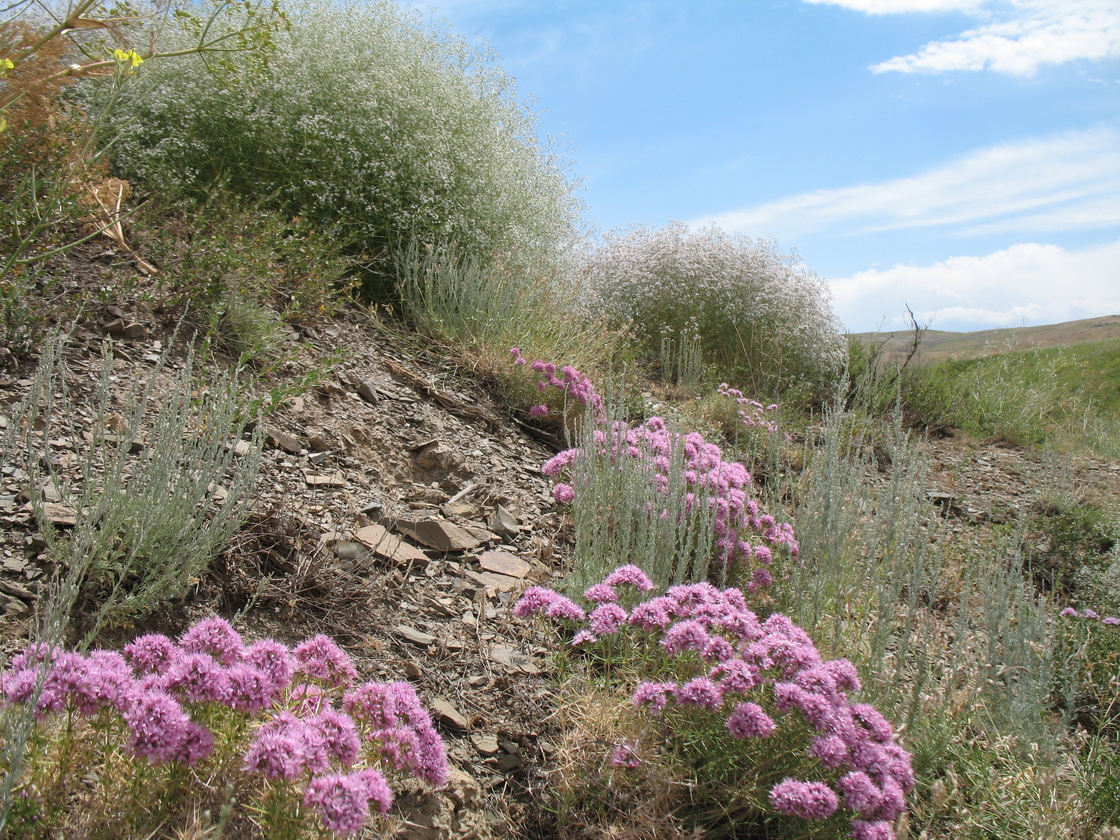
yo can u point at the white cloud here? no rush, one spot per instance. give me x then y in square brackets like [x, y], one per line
[1015, 36]
[1069, 181]
[1028, 283]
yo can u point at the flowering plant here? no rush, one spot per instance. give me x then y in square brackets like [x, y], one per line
[765, 725]
[687, 475]
[288, 732]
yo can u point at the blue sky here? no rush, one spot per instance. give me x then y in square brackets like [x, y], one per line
[961, 157]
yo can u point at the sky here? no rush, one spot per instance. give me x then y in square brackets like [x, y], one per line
[960, 157]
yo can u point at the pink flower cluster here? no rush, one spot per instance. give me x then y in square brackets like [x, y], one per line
[757, 674]
[156, 684]
[569, 380]
[752, 413]
[1092, 615]
[744, 534]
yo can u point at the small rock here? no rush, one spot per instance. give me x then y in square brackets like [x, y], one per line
[504, 563]
[333, 479]
[389, 546]
[438, 534]
[367, 390]
[504, 523]
[284, 441]
[417, 637]
[489, 580]
[487, 745]
[447, 714]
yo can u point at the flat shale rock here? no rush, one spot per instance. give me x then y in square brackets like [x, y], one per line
[388, 546]
[504, 563]
[438, 534]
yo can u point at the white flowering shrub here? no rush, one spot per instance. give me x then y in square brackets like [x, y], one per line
[760, 316]
[359, 114]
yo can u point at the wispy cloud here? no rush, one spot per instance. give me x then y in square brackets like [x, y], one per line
[1027, 283]
[1015, 37]
[1069, 181]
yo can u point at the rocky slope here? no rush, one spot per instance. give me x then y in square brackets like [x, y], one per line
[402, 510]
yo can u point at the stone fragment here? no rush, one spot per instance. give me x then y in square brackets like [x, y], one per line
[334, 479]
[513, 659]
[389, 546]
[282, 440]
[447, 714]
[438, 534]
[504, 563]
[434, 456]
[504, 523]
[489, 580]
[367, 390]
[487, 745]
[417, 637]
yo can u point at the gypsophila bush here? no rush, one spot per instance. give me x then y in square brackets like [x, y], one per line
[129, 742]
[760, 316]
[642, 489]
[364, 115]
[764, 725]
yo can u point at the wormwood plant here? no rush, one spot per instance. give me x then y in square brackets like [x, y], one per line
[146, 523]
[281, 742]
[956, 647]
[759, 316]
[763, 727]
[485, 306]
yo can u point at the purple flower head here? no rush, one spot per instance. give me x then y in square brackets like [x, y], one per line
[322, 660]
[197, 744]
[1071, 612]
[342, 801]
[749, 720]
[844, 673]
[250, 688]
[831, 750]
[601, 593]
[563, 494]
[685, 635]
[875, 724]
[197, 678]
[273, 659]
[654, 695]
[861, 794]
[339, 734]
[377, 789]
[372, 703]
[607, 619]
[878, 830]
[655, 614]
[625, 755]
[216, 637]
[286, 747]
[629, 575]
[565, 608]
[736, 675]
[153, 653]
[701, 692]
[158, 726]
[808, 800]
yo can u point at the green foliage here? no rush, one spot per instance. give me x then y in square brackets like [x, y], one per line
[759, 316]
[1061, 397]
[485, 307]
[362, 116]
[1065, 540]
[147, 523]
[241, 273]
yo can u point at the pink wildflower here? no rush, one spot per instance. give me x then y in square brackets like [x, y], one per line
[808, 800]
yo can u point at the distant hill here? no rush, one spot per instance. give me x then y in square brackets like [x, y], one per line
[940, 345]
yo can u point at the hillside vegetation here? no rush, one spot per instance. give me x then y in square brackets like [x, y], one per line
[760, 617]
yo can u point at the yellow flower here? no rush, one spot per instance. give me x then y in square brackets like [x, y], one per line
[130, 56]
[6, 65]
